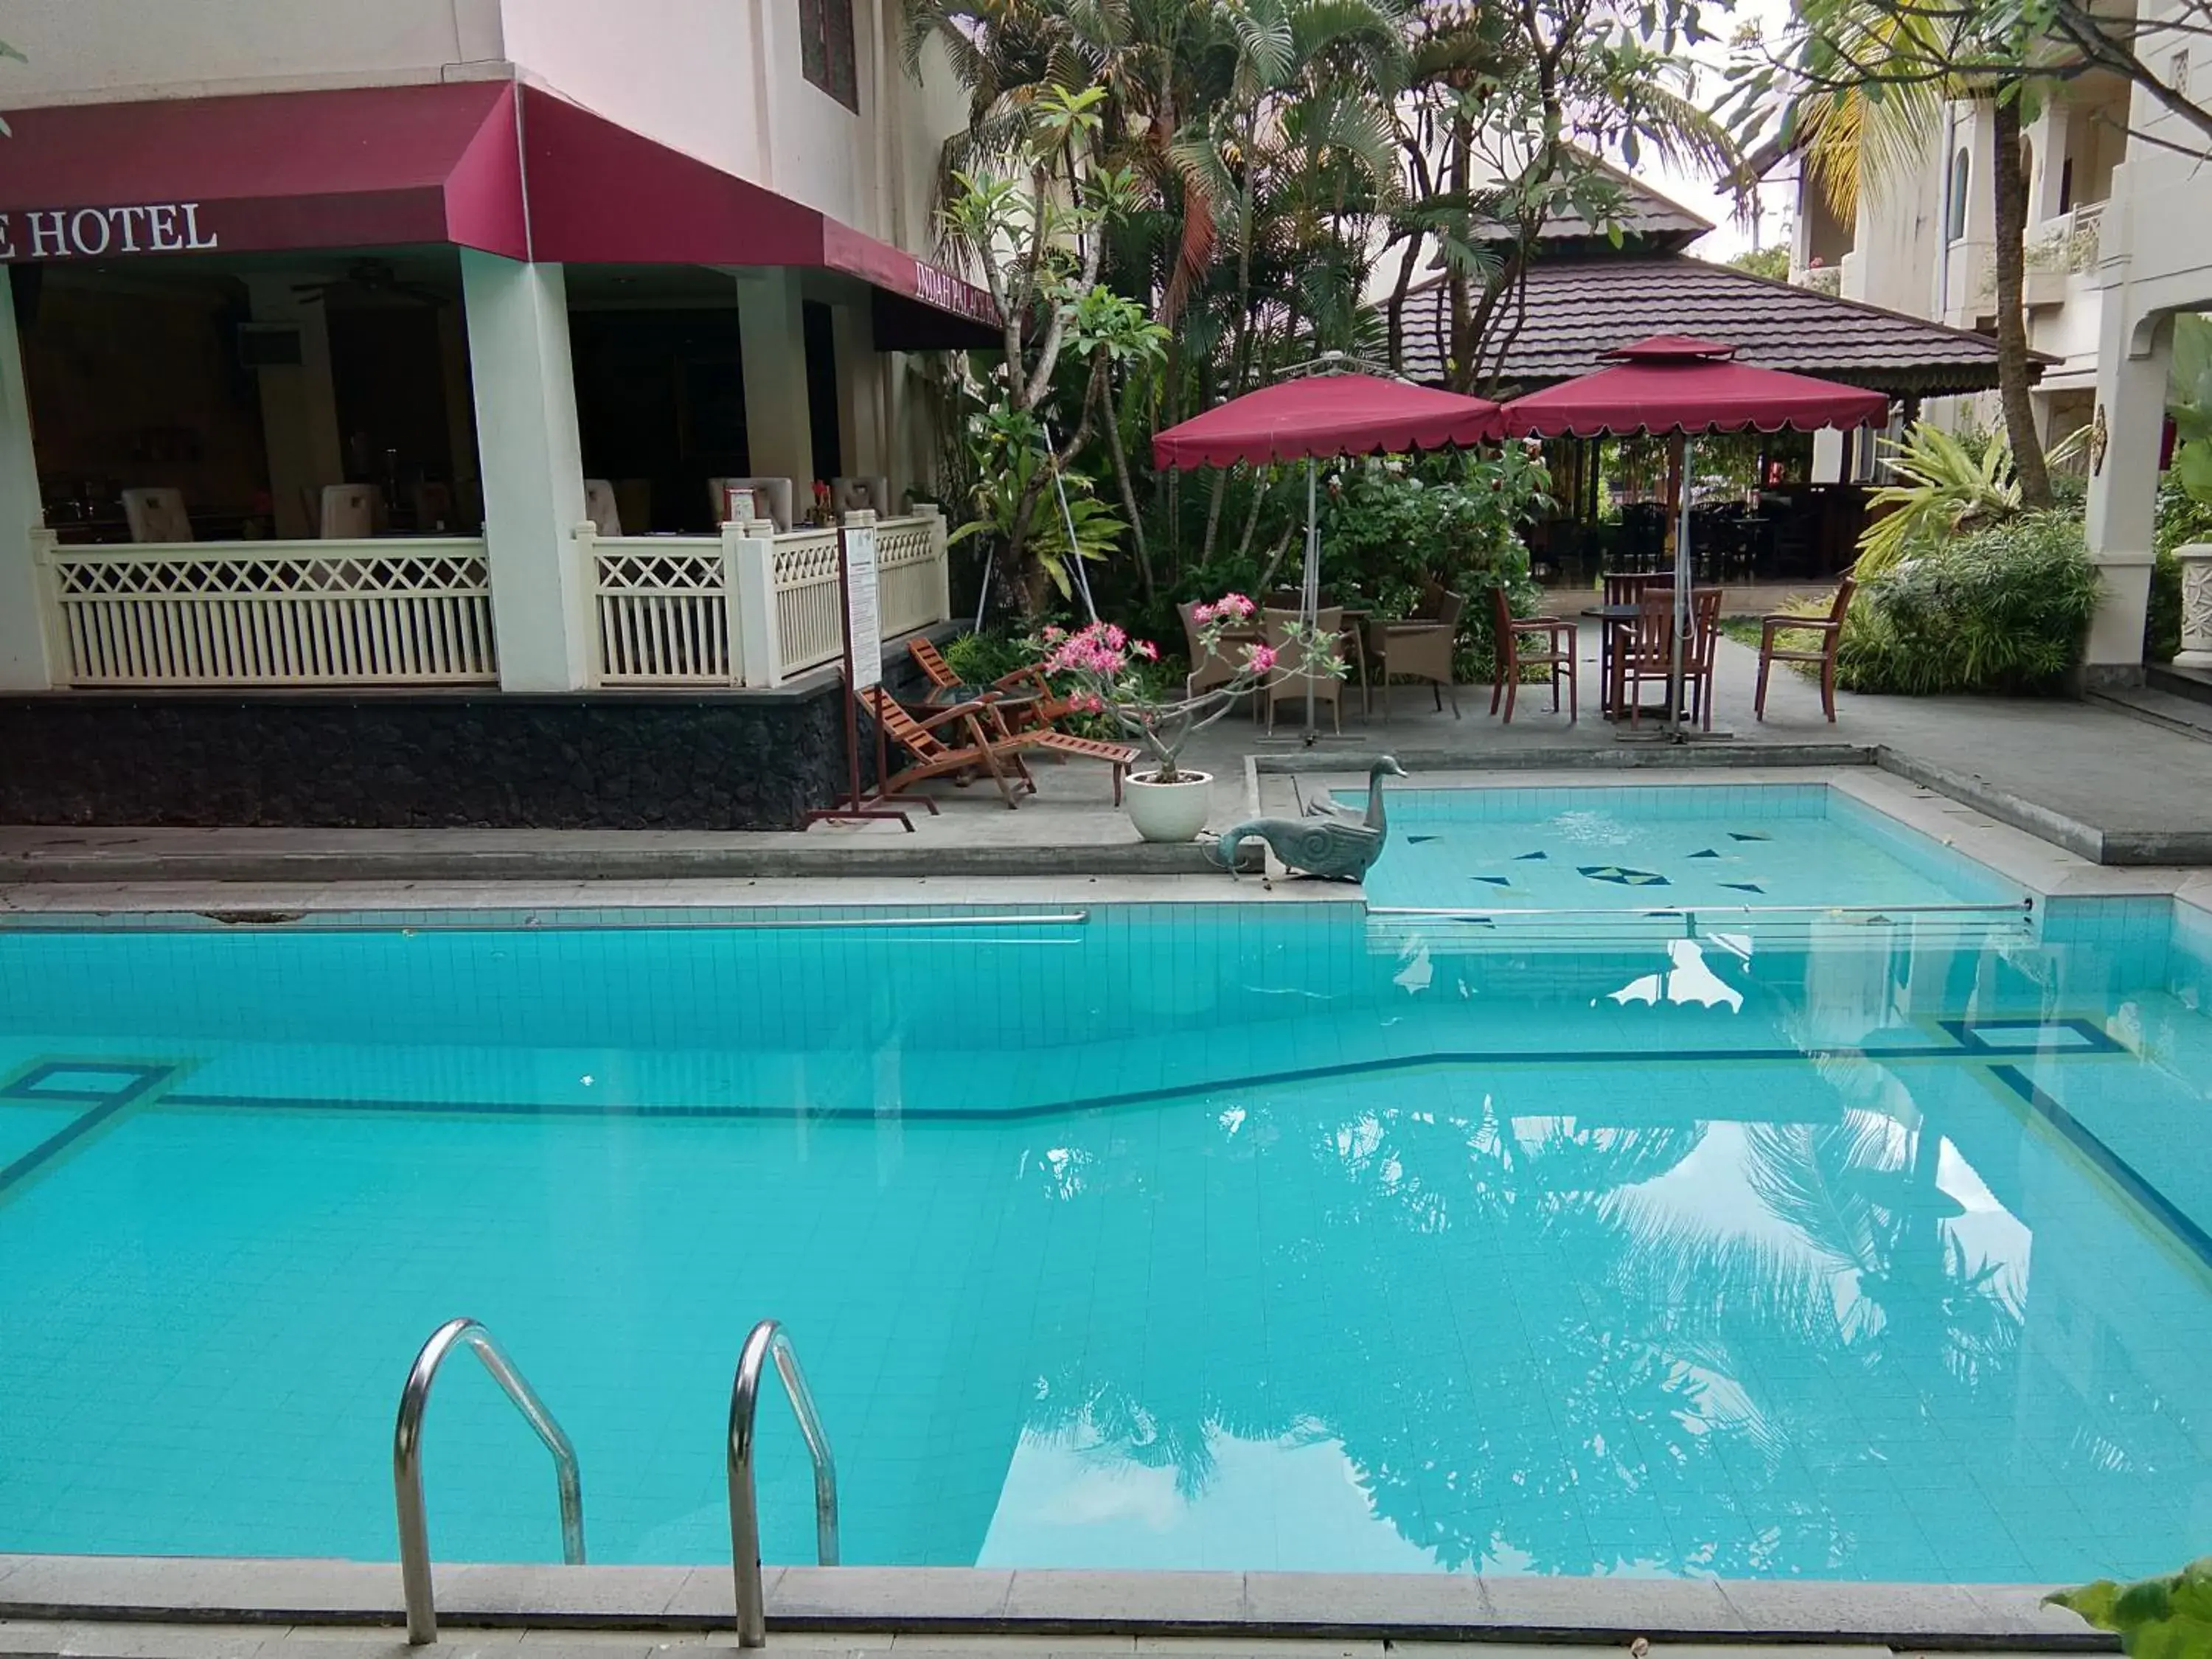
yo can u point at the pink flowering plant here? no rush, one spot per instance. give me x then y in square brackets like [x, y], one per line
[1109, 671]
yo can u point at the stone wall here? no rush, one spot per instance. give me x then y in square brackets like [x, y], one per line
[601, 760]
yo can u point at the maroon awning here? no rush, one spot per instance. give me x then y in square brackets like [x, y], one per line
[600, 194]
[1673, 384]
[1323, 417]
[397, 166]
[373, 166]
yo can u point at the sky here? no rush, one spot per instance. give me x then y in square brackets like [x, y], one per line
[1709, 59]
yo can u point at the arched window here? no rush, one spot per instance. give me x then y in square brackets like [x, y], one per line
[1956, 210]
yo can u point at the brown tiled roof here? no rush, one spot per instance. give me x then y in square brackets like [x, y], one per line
[1579, 308]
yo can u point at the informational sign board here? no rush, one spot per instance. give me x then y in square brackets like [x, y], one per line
[863, 632]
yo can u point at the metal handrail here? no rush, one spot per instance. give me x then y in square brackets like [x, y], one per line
[1635, 913]
[407, 1463]
[767, 1340]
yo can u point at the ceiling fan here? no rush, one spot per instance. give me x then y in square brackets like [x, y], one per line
[374, 278]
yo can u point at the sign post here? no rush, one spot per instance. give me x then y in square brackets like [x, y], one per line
[864, 667]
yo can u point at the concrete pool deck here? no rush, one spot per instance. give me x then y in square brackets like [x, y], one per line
[2087, 777]
[1056, 1611]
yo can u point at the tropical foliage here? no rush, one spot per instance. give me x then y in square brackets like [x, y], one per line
[1951, 484]
[2001, 608]
[1175, 202]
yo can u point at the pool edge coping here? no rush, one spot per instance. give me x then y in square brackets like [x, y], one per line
[987, 1601]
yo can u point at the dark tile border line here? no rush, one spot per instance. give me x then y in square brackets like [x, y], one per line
[983, 1601]
[147, 1079]
[1642, 1057]
[2123, 1173]
[1641, 757]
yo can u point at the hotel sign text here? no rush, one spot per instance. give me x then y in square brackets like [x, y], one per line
[95, 232]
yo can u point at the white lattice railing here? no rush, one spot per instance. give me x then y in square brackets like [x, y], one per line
[910, 575]
[416, 612]
[748, 609]
[664, 611]
[810, 610]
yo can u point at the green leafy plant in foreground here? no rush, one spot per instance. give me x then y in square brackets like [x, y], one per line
[1951, 485]
[2168, 1618]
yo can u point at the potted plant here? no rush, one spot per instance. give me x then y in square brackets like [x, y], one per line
[1170, 802]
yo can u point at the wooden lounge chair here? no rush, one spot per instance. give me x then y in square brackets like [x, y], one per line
[995, 751]
[1049, 707]
[1830, 630]
[1513, 655]
[1119, 756]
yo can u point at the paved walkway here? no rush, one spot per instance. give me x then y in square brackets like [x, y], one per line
[2089, 776]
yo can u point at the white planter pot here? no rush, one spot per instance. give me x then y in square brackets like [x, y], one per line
[1171, 811]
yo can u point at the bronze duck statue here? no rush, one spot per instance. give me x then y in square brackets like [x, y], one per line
[1332, 850]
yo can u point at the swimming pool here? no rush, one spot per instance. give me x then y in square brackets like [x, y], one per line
[1238, 1236]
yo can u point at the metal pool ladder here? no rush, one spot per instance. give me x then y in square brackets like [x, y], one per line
[768, 1342]
[407, 1464]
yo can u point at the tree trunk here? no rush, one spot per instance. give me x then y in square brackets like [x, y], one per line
[2011, 187]
[1128, 494]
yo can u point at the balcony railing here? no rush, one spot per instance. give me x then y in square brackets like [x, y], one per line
[749, 607]
[1821, 279]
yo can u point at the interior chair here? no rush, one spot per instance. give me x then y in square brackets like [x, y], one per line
[432, 502]
[157, 515]
[600, 507]
[349, 512]
[772, 499]
[870, 490]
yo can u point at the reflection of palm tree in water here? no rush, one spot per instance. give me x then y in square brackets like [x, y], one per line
[1488, 1424]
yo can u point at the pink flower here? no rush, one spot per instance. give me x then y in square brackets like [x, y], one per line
[1234, 605]
[1202, 614]
[1148, 650]
[1093, 704]
[1260, 659]
[1054, 635]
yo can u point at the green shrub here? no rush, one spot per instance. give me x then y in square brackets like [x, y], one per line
[980, 659]
[2004, 608]
[2162, 618]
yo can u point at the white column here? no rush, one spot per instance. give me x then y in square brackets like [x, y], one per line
[533, 469]
[298, 407]
[2131, 368]
[772, 336]
[860, 395]
[23, 666]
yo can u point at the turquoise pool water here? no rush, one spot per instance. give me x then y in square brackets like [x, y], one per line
[1752, 845]
[1247, 1236]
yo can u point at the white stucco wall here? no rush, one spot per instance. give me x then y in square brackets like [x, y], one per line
[88, 50]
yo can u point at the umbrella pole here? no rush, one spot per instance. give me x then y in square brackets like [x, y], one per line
[1678, 484]
[1310, 596]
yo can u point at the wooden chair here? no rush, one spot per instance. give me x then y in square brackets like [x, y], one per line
[993, 750]
[1421, 647]
[1289, 681]
[1644, 650]
[1514, 655]
[1830, 630]
[157, 515]
[869, 490]
[1621, 587]
[1698, 660]
[1049, 707]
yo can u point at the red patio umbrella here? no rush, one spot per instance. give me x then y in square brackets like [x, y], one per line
[1324, 417]
[1321, 417]
[1675, 385]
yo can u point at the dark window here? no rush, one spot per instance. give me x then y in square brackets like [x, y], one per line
[826, 55]
[821, 339]
[2066, 186]
[1956, 208]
